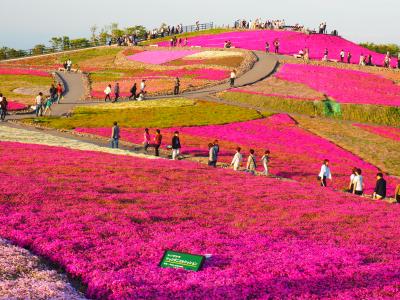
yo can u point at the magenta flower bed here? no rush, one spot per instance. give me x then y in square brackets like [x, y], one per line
[297, 154]
[272, 95]
[388, 132]
[107, 220]
[290, 43]
[15, 106]
[160, 57]
[345, 86]
[12, 71]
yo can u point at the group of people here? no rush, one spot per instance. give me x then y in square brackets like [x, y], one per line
[356, 184]
[260, 24]
[67, 65]
[175, 42]
[276, 44]
[136, 93]
[43, 104]
[109, 90]
[251, 164]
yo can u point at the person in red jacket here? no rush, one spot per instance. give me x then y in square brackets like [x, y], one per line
[59, 92]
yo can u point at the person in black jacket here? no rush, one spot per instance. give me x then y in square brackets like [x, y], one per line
[380, 187]
[176, 145]
[3, 108]
[133, 92]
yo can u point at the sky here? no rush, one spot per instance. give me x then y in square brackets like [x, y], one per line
[25, 23]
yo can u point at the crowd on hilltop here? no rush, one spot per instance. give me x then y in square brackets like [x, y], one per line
[279, 25]
[163, 31]
[356, 183]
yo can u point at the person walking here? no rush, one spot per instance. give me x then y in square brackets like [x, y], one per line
[107, 92]
[276, 46]
[69, 65]
[380, 188]
[237, 160]
[351, 183]
[177, 86]
[251, 163]
[266, 47]
[325, 173]
[48, 104]
[146, 141]
[143, 86]
[232, 78]
[53, 92]
[133, 92]
[59, 92]
[115, 136]
[3, 108]
[342, 54]
[265, 161]
[116, 92]
[349, 56]
[158, 141]
[358, 184]
[212, 155]
[176, 146]
[39, 103]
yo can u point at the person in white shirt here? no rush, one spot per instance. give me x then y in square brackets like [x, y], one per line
[358, 185]
[69, 65]
[39, 103]
[342, 54]
[237, 159]
[325, 173]
[108, 91]
[362, 60]
[232, 78]
[265, 161]
[351, 184]
[142, 86]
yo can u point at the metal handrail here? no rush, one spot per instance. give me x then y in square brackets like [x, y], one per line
[89, 44]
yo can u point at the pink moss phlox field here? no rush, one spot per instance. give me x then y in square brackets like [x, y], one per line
[160, 57]
[14, 106]
[16, 71]
[207, 74]
[107, 220]
[296, 153]
[273, 95]
[388, 132]
[345, 86]
[290, 43]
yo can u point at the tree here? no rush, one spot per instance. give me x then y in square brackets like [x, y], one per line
[382, 48]
[56, 43]
[79, 43]
[94, 37]
[139, 30]
[38, 49]
[66, 43]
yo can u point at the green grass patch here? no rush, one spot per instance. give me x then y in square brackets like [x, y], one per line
[188, 35]
[185, 113]
[383, 115]
[81, 56]
[8, 83]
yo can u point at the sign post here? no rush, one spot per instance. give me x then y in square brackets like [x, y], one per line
[180, 260]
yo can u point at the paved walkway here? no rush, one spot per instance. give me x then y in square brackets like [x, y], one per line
[265, 65]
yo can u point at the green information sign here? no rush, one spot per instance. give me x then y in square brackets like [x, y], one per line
[179, 260]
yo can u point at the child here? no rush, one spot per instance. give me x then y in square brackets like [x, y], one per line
[237, 159]
[265, 161]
